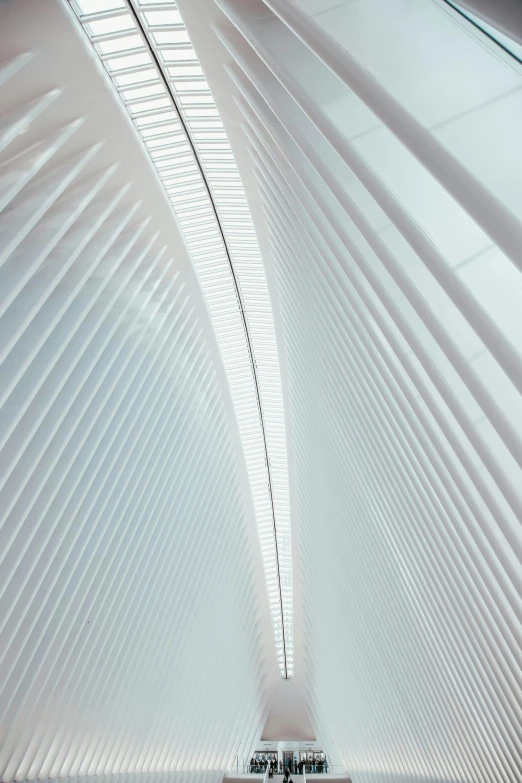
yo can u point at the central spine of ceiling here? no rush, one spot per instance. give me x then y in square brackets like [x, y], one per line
[150, 59]
[154, 56]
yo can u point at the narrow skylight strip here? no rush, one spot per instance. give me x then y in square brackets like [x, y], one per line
[177, 125]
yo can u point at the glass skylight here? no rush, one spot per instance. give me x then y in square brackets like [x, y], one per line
[147, 52]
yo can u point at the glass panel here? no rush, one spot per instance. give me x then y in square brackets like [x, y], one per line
[155, 18]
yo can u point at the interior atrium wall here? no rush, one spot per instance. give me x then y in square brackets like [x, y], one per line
[134, 630]
[384, 140]
[379, 146]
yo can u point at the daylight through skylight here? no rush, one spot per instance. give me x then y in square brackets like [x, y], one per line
[147, 52]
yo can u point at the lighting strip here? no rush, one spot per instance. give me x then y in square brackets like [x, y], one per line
[147, 53]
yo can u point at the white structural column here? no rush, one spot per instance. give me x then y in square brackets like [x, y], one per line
[131, 584]
[385, 140]
[147, 52]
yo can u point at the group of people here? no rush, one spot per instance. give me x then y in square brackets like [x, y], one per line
[260, 765]
[292, 767]
[316, 766]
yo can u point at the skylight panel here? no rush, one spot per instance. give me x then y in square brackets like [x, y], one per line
[177, 71]
[114, 24]
[201, 112]
[157, 120]
[137, 77]
[170, 37]
[125, 61]
[120, 44]
[148, 105]
[184, 54]
[187, 86]
[159, 18]
[143, 92]
[95, 6]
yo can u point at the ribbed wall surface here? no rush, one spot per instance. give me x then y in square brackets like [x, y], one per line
[385, 138]
[131, 583]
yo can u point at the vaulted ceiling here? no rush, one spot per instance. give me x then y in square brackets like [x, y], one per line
[260, 387]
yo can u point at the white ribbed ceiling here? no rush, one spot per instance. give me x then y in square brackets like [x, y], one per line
[132, 582]
[384, 159]
[378, 145]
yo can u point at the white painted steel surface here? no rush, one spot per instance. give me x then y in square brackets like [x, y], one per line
[385, 136]
[131, 583]
[379, 146]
